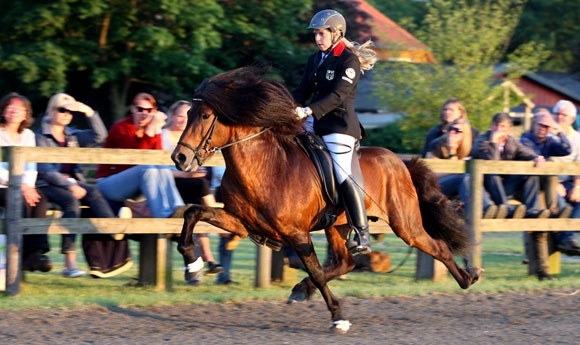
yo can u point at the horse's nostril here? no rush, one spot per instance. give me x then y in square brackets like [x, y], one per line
[181, 158]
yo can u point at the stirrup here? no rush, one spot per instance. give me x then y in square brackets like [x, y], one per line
[357, 247]
[354, 248]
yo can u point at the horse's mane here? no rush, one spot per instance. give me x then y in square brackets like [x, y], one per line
[247, 97]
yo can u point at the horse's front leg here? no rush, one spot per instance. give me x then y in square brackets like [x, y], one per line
[186, 245]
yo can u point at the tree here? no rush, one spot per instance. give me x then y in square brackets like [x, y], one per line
[107, 50]
[555, 24]
[468, 39]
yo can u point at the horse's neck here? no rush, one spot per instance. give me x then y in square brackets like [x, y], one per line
[258, 163]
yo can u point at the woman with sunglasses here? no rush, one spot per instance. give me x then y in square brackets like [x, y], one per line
[141, 129]
[455, 143]
[451, 110]
[65, 185]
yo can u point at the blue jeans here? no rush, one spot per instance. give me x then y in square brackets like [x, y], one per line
[70, 207]
[568, 236]
[225, 257]
[156, 183]
[459, 185]
[500, 188]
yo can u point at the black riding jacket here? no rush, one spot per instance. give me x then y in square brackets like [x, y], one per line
[332, 88]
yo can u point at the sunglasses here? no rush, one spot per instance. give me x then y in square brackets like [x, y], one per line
[144, 110]
[455, 130]
[63, 110]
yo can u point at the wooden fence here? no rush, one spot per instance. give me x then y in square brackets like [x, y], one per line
[155, 248]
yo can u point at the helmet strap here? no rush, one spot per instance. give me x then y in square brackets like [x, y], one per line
[334, 43]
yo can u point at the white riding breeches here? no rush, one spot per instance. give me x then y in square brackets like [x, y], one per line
[341, 148]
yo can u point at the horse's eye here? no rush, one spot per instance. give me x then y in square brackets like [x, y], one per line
[205, 116]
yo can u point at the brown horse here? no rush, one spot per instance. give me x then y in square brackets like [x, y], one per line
[271, 190]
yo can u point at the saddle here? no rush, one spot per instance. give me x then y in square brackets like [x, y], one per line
[316, 150]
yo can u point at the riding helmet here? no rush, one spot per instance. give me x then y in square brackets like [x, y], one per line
[328, 19]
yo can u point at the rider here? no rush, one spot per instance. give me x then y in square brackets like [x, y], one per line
[331, 77]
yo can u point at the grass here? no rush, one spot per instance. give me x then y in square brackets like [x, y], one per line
[502, 257]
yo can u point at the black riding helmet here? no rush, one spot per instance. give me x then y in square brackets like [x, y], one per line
[329, 19]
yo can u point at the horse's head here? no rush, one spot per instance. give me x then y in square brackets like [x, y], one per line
[241, 101]
[196, 142]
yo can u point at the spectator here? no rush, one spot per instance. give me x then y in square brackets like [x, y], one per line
[141, 129]
[15, 118]
[498, 144]
[451, 110]
[455, 144]
[548, 145]
[64, 184]
[569, 189]
[193, 186]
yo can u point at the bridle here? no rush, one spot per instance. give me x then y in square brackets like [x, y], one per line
[206, 141]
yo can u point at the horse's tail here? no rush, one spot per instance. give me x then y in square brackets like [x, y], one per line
[441, 218]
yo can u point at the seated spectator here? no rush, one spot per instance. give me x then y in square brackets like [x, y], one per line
[451, 110]
[546, 144]
[15, 118]
[569, 188]
[193, 186]
[498, 144]
[141, 129]
[64, 184]
[455, 144]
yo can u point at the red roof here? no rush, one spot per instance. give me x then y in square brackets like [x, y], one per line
[391, 39]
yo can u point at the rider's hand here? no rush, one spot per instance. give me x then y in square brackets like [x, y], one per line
[300, 112]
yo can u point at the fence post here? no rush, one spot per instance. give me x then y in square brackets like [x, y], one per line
[16, 163]
[475, 210]
[263, 267]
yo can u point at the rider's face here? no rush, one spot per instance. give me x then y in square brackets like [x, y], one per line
[324, 38]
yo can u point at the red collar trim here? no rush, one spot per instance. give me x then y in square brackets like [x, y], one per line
[339, 48]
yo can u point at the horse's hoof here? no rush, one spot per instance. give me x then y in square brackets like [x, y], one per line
[340, 326]
[296, 297]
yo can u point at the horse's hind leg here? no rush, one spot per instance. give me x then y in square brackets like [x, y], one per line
[438, 249]
[407, 225]
[338, 262]
[316, 279]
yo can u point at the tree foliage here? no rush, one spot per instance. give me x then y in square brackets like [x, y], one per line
[468, 39]
[108, 50]
[553, 23]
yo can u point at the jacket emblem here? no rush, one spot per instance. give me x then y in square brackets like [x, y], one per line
[329, 75]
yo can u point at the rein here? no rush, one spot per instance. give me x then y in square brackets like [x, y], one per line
[206, 141]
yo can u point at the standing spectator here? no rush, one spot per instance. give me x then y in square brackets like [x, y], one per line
[569, 189]
[498, 144]
[64, 184]
[547, 145]
[329, 84]
[193, 186]
[455, 144]
[15, 118]
[451, 110]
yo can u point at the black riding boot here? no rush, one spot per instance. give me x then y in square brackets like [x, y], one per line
[355, 209]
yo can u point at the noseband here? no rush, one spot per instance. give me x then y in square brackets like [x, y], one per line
[206, 141]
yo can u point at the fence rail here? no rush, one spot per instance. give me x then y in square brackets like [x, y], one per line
[155, 248]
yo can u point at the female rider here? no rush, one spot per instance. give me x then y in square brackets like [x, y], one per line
[330, 79]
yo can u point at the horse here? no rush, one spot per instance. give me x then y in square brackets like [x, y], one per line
[273, 193]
